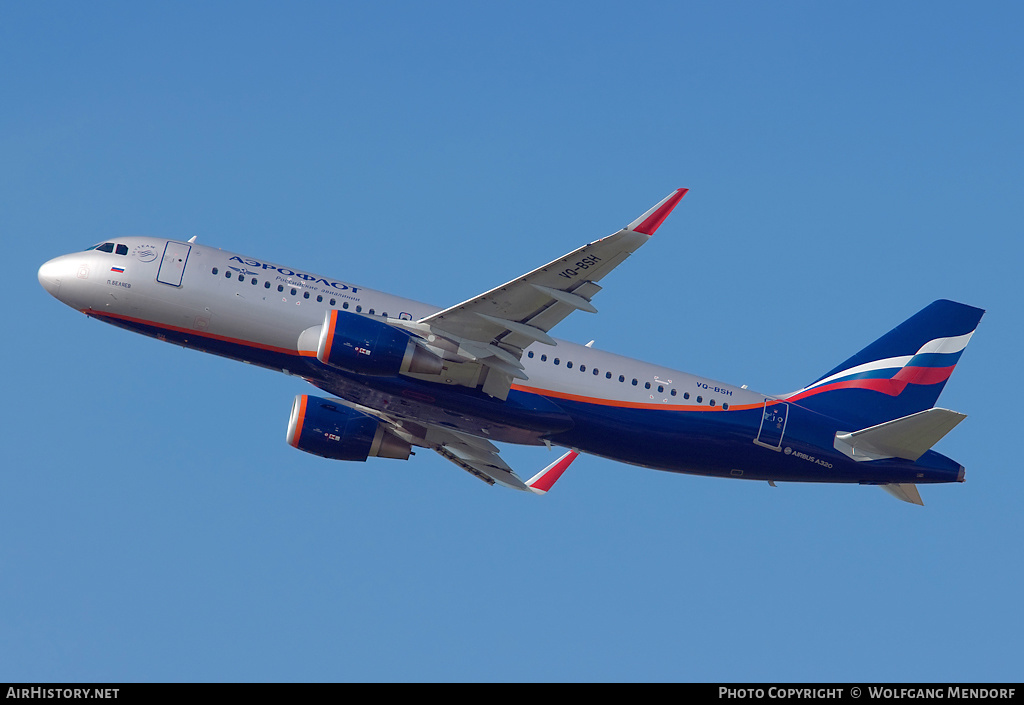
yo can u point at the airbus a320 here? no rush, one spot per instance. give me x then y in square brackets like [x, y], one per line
[458, 380]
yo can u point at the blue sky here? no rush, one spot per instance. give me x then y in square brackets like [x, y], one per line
[847, 165]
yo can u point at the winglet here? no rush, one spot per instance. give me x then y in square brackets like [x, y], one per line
[546, 478]
[652, 219]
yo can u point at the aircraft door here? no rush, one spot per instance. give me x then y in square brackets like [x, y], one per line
[172, 266]
[773, 424]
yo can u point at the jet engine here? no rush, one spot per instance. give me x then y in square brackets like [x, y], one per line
[371, 347]
[329, 429]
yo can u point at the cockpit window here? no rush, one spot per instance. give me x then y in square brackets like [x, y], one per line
[109, 247]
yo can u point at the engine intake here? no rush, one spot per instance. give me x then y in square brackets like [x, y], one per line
[331, 430]
[370, 347]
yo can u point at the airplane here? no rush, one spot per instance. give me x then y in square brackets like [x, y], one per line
[403, 374]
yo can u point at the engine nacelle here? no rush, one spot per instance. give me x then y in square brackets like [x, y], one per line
[370, 347]
[331, 430]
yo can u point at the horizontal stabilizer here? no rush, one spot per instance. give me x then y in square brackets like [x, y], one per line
[905, 492]
[908, 437]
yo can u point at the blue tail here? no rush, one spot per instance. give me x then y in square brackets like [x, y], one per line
[901, 373]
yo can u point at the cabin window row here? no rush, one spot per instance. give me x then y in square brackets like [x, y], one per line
[622, 378]
[228, 274]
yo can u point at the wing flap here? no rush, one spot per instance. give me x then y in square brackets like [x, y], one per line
[490, 468]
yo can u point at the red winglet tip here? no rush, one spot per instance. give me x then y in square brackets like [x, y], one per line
[546, 478]
[657, 215]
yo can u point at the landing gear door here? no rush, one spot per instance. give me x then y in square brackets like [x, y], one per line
[172, 266]
[773, 424]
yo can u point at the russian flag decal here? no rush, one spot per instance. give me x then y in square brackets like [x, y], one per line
[119, 270]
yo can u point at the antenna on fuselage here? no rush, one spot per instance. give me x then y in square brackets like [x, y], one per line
[193, 238]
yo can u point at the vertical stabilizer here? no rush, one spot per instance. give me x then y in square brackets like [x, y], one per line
[901, 373]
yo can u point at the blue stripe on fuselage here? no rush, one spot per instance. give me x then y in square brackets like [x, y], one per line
[705, 442]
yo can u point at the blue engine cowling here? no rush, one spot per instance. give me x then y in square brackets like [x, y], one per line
[329, 429]
[371, 347]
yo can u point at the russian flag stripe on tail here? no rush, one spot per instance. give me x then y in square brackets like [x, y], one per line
[901, 373]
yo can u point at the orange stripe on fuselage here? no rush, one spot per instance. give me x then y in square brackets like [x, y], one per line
[199, 334]
[663, 406]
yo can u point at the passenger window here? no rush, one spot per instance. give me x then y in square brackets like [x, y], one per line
[686, 395]
[333, 302]
[359, 309]
[266, 285]
[344, 304]
[583, 368]
[543, 358]
[254, 281]
[280, 287]
[725, 406]
[700, 399]
[660, 389]
[319, 297]
[530, 354]
[294, 292]
[305, 294]
[634, 382]
[241, 277]
[215, 271]
[647, 385]
[607, 375]
[556, 360]
[621, 378]
[227, 275]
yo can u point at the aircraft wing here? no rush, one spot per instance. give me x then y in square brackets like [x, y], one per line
[477, 456]
[494, 327]
[490, 468]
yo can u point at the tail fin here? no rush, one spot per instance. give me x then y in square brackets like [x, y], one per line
[901, 373]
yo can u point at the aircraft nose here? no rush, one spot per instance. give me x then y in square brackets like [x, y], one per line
[50, 275]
